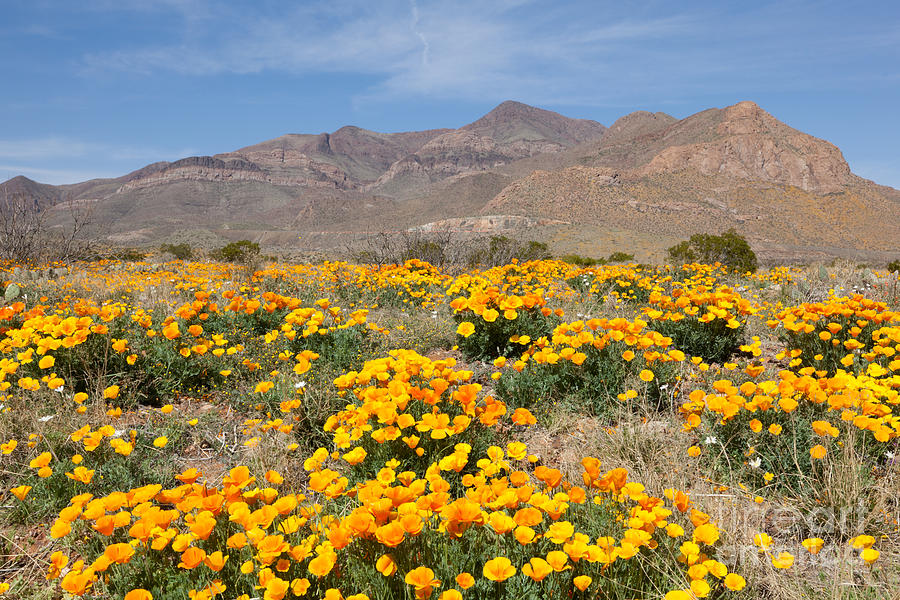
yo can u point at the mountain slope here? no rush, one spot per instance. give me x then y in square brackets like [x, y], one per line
[788, 192]
[510, 132]
[647, 181]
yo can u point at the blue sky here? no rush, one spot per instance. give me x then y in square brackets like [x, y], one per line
[98, 88]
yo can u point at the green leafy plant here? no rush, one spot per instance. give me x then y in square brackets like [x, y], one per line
[179, 251]
[729, 248]
[241, 251]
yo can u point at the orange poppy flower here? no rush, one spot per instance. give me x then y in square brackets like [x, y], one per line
[192, 557]
[498, 569]
[119, 553]
[465, 580]
[423, 581]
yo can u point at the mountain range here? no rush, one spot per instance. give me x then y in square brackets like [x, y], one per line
[641, 185]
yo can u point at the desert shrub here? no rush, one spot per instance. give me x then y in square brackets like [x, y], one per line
[894, 266]
[729, 248]
[26, 235]
[429, 251]
[242, 251]
[501, 250]
[620, 257]
[127, 255]
[582, 261]
[179, 251]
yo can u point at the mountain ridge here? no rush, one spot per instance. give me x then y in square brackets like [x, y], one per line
[737, 166]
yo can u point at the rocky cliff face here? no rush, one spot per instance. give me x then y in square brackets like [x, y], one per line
[508, 133]
[206, 168]
[454, 153]
[395, 164]
[751, 144]
[487, 224]
[513, 121]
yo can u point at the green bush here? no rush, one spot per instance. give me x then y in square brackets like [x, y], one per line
[492, 339]
[128, 255]
[591, 386]
[729, 249]
[894, 266]
[241, 251]
[587, 261]
[715, 341]
[620, 257]
[582, 261]
[179, 251]
[501, 250]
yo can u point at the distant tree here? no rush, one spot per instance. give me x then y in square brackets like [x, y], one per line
[242, 251]
[620, 257]
[179, 251]
[729, 248]
[582, 261]
[501, 250]
[26, 236]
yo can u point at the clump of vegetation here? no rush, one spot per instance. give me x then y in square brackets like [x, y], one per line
[586, 261]
[894, 266]
[501, 250]
[582, 261]
[179, 251]
[127, 254]
[729, 249]
[242, 251]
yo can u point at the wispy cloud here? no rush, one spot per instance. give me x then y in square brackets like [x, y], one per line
[577, 52]
[60, 160]
[65, 148]
[456, 49]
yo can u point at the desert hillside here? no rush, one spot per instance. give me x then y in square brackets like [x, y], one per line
[646, 180]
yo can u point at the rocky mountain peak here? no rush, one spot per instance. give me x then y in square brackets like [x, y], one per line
[746, 142]
[513, 121]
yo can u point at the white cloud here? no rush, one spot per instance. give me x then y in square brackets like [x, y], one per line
[571, 52]
[61, 147]
[453, 48]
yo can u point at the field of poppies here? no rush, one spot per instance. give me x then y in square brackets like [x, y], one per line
[536, 430]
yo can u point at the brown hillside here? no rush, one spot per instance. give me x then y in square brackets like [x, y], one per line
[646, 182]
